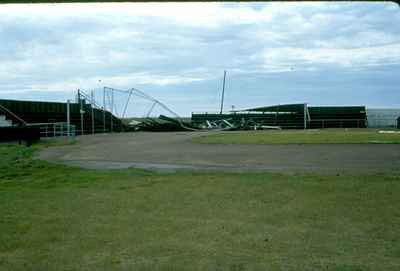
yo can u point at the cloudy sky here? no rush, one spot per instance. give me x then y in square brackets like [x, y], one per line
[274, 53]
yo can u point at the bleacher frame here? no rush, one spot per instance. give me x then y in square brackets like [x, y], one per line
[41, 113]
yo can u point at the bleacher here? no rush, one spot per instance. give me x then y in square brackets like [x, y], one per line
[43, 113]
[291, 116]
[337, 117]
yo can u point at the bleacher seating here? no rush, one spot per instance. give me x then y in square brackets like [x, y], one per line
[54, 112]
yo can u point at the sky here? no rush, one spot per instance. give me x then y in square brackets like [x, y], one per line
[343, 53]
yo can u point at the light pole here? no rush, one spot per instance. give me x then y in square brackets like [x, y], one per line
[68, 120]
[104, 106]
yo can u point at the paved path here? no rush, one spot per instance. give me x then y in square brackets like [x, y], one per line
[170, 151]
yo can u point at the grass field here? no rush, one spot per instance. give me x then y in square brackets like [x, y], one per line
[55, 217]
[335, 136]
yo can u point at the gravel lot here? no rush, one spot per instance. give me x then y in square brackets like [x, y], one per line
[175, 151]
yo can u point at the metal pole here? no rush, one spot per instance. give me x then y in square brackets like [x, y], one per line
[92, 98]
[223, 92]
[68, 119]
[104, 109]
[151, 109]
[126, 105]
[81, 110]
[305, 116]
[112, 109]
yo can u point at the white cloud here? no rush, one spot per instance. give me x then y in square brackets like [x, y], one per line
[298, 58]
[199, 14]
[147, 78]
[118, 81]
[67, 46]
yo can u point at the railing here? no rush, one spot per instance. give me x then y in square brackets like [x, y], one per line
[247, 113]
[90, 131]
[55, 129]
[336, 123]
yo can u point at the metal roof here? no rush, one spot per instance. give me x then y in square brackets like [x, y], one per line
[278, 108]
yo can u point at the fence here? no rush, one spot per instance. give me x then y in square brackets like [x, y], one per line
[337, 123]
[55, 129]
[382, 123]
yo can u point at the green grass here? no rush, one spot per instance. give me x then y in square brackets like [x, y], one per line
[54, 217]
[328, 136]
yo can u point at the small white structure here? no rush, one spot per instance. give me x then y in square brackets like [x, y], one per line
[134, 123]
[382, 118]
[5, 122]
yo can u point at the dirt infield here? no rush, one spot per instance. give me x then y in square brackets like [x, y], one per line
[172, 151]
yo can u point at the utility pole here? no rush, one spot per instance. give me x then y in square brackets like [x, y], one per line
[223, 92]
